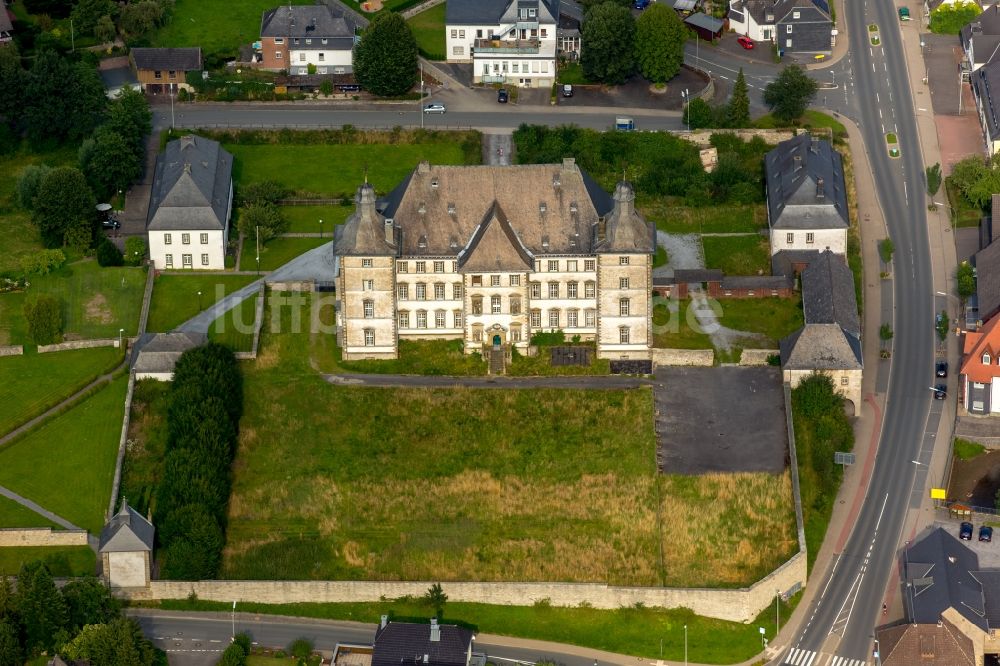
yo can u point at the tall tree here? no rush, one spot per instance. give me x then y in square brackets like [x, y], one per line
[117, 643]
[790, 93]
[608, 43]
[62, 204]
[86, 14]
[88, 601]
[42, 608]
[13, 79]
[129, 115]
[61, 100]
[11, 653]
[659, 43]
[738, 109]
[109, 162]
[385, 61]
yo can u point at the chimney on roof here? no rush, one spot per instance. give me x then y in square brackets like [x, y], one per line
[797, 160]
[424, 167]
[187, 167]
[569, 163]
[819, 188]
[383, 622]
[814, 145]
[390, 237]
[435, 631]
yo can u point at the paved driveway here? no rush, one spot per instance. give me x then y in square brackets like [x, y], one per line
[636, 94]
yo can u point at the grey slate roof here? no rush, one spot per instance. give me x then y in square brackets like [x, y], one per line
[118, 77]
[494, 12]
[988, 280]
[495, 246]
[782, 9]
[985, 84]
[983, 36]
[410, 644]
[762, 282]
[990, 581]
[783, 261]
[626, 229]
[192, 186]
[161, 351]
[315, 22]
[705, 22]
[126, 532]
[682, 275]
[364, 232]
[938, 567]
[828, 295]
[759, 10]
[178, 59]
[821, 347]
[6, 25]
[805, 185]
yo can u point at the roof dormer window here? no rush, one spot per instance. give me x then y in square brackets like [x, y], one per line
[986, 358]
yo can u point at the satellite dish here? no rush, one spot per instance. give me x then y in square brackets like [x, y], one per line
[103, 207]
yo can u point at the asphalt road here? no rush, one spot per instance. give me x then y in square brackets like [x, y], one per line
[841, 618]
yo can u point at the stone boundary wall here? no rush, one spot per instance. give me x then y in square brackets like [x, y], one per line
[735, 605]
[41, 536]
[703, 137]
[258, 323]
[757, 356]
[701, 357]
[794, 465]
[122, 444]
[14, 350]
[423, 6]
[77, 344]
[147, 297]
[299, 285]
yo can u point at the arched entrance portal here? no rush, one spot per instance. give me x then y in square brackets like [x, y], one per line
[496, 341]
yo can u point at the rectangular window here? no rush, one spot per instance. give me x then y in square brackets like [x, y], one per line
[277, 55]
[204, 239]
[279, 40]
[404, 319]
[172, 73]
[369, 309]
[535, 290]
[623, 261]
[531, 12]
[788, 42]
[458, 319]
[843, 380]
[789, 238]
[458, 50]
[588, 290]
[302, 57]
[553, 290]
[536, 318]
[545, 33]
[186, 239]
[309, 41]
[295, 41]
[590, 318]
[461, 34]
[439, 267]
[477, 334]
[788, 29]
[421, 266]
[810, 237]
[421, 319]
[515, 305]
[589, 264]
[322, 56]
[169, 259]
[515, 280]
[440, 319]
[421, 291]
[369, 337]
[515, 334]
[571, 290]
[366, 263]
[454, 34]
[403, 292]
[554, 266]
[516, 68]
[554, 318]
[439, 292]
[167, 239]
[623, 283]
[494, 280]
[571, 265]
[368, 285]
[204, 260]
[157, 74]
[477, 280]
[402, 266]
[571, 319]
[456, 292]
[623, 307]
[495, 304]
[186, 260]
[479, 34]
[623, 335]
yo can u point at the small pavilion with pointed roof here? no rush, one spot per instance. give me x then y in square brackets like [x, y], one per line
[126, 548]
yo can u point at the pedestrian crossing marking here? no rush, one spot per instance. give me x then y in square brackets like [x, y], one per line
[799, 657]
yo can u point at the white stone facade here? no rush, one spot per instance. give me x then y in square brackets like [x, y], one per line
[203, 250]
[834, 240]
[845, 382]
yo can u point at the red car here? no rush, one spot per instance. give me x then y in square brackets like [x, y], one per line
[745, 42]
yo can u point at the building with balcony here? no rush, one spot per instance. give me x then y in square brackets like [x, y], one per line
[507, 41]
[491, 255]
[299, 37]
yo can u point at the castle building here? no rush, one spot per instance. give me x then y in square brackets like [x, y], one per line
[492, 255]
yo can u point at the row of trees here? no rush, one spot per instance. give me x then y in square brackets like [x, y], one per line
[203, 414]
[103, 18]
[82, 621]
[615, 45]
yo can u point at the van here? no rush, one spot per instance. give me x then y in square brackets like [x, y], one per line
[624, 124]
[567, 90]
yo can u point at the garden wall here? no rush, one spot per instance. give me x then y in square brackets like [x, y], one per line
[738, 605]
[122, 444]
[703, 137]
[757, 356]
[301, 285]
[701, 357]
[78, 344]
[15, 350]
[41, 536]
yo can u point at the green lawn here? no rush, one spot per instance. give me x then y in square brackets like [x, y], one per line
[661, 258]
[277, 252]
[96, 301]
[235, 328]
[966, 450]
[78, 448]
[35, 382]
[62, 561]
[963, 213]
[810, 120]
[305, 219]
[13, 514]
[737, 255]
[773, 318]
[214, 28]
[672, 328]
[175, 296]
[676, 219]
[455, 484]
[632, 631]
[141, 469]
[428, 30]
[387, 164]
[572, 73]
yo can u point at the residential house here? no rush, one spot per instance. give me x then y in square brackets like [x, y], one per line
[979, 377]
[981, 38]
[295, 37]
[126, 547]
[830, 341]
[6, 24]
[951, 606]
[507, 41]
[986, 91]
[117, 76]
[190, 205]
[795, 26]
[491, 255]
[806, 196]
[421, 644]
[162, 70]
[157, 354]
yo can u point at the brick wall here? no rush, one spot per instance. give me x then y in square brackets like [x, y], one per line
[703, 357]
[41, 536]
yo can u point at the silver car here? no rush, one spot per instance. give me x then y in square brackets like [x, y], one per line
[436, 107]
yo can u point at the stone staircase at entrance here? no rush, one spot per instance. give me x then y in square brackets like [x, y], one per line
[498, 361]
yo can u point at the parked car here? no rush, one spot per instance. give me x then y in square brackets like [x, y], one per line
[567, 90]
[435, 107]
[904, 14]
[965, 531]
[940, 392]
[941, 369]
[640, 4]
[745, 42]
[986, 534]
[348, 87]
[111, 223]
[502, 96]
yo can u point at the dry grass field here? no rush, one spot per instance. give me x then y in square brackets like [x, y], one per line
[341, 482]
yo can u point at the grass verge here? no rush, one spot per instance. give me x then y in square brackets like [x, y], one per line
[13, 514]
[737, 255]
[428, 30]
[63, 562]
[147, 430]
[175, 296]
[36, 382]
[305, 219]
[276, 252]
[966, 450]
[79, 448]
[235, 328]
[716, 219]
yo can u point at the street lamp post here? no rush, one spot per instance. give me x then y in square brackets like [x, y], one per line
[234, 622]
[321, 228]
[199, 301]
[121, 333]
[686, 96]
[685, 645]
[257, 230]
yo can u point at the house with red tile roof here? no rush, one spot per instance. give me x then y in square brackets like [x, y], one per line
[981, 369]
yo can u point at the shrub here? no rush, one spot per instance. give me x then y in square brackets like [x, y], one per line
[135, 250]
[108, 253]
[42, 262]
[542, 339]
[44, 315]
[29, 180]
[234, 655]
[301, 648]
[886, 248]
[263, 192]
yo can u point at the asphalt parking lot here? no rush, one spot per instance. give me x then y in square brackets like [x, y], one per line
[635, 93]
[729, 419]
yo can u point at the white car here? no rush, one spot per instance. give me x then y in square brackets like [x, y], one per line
[436, 107]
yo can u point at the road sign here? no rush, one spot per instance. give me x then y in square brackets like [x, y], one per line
[842, 458]
[939, 493]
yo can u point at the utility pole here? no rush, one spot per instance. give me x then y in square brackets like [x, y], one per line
[257, 229]
[420, 104]
[72, 36]
[172, 124]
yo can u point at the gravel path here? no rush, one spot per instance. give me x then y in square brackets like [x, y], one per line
[683, 251]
